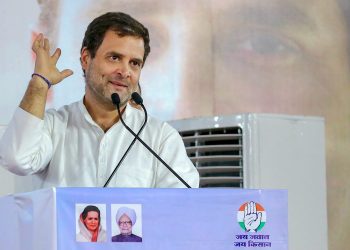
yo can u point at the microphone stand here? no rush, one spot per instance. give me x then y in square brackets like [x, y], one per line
[116, 101]
[138, 101]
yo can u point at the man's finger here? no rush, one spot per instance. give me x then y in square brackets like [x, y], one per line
[46, 44]
[56, 55]
[36, 42]
[65, 73]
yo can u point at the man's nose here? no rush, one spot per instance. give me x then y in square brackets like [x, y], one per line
[123, 70]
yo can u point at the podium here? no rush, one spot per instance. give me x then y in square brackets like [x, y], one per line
[165, 219]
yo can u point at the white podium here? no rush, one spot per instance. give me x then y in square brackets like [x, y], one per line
[172, 219]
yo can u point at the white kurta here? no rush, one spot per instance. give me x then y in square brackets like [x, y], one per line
[68, 149]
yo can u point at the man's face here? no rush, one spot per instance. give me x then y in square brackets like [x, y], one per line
[115, 68]
[125, 225]
[91, 221]
[279, 56]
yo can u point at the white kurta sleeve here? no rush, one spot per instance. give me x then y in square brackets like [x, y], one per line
[26, 146]
[173, 152]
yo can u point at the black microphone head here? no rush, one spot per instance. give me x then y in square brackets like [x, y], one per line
[115, 99]
[137, 98]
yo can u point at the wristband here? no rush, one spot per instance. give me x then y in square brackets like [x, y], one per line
[42, 77]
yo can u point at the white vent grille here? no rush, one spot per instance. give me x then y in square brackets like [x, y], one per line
[217, 154]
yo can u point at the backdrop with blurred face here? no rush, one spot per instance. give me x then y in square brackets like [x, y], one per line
[231, 56]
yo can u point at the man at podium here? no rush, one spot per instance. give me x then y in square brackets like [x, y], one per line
[81, 143]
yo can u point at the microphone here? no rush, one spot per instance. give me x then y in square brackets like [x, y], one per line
[116, 101]
[138, 100]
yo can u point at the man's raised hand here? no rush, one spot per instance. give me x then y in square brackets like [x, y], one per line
[45, 64]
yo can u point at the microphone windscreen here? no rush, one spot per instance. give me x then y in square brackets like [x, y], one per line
[115, 99]
[137, 98]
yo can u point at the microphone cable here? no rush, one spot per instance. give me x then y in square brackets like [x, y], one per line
[138, 100]
[116, 101]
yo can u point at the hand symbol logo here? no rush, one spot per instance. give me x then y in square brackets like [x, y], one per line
[252, 218]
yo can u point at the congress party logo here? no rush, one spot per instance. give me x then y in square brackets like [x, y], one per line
[251, 216]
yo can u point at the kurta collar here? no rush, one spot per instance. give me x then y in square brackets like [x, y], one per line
[89, 119]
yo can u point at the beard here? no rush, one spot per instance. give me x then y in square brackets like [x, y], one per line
[101, 89]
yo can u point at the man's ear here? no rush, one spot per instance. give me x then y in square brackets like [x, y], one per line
[85, 58]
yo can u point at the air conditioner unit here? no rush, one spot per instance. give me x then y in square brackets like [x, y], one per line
[265, 151]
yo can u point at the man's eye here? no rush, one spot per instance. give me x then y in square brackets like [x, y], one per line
[114, 58]
[260, 47]
[135, 63]
[264, 44]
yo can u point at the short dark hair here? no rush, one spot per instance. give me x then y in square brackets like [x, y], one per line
[91, 208]
[121, 23]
